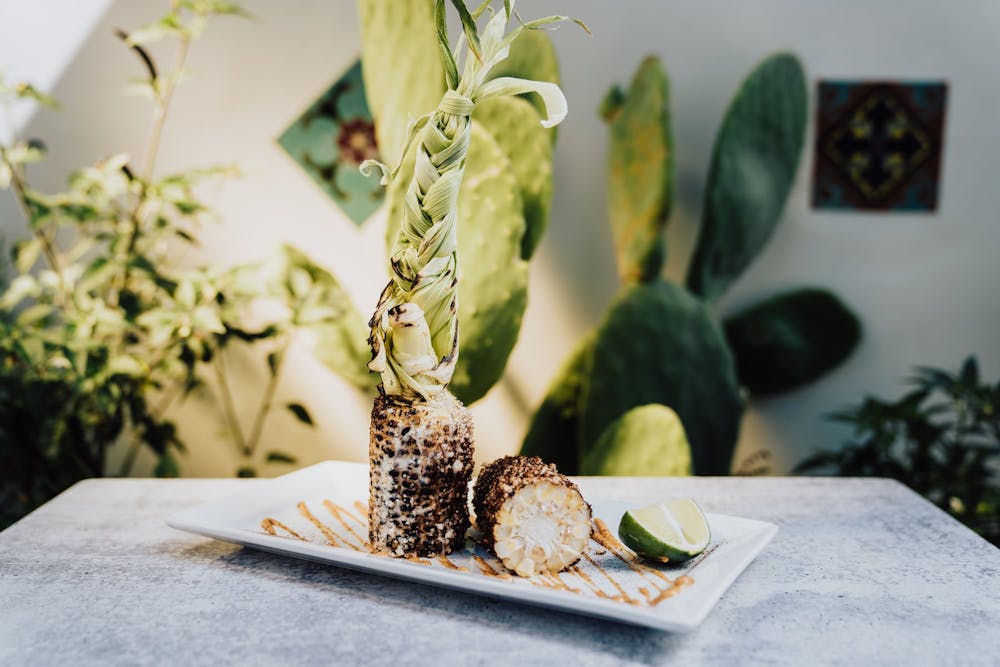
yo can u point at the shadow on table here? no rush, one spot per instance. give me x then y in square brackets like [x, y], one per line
[609, 637]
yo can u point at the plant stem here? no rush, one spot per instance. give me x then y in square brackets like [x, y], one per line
[133, 451]
[163, 101]
[161, 408]
[228, 406]
[48, 249]
[162, 106]
[266, 401]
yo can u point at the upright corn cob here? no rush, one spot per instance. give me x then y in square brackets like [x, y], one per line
[421, 459]
[534, 518]
[421, 442]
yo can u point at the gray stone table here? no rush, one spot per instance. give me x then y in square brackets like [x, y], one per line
[862, 572]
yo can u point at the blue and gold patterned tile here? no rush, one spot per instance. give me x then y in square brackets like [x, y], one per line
[878, 145]
[331, 139]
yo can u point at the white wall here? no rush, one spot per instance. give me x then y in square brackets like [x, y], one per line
[924, 285]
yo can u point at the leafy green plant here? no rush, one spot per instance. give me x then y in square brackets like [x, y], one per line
[941, 438]
[101, 332]
[660, 343]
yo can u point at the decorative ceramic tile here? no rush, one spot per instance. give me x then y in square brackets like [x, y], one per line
[878, 145]
[330, 140]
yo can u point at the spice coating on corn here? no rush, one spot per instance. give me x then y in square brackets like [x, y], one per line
[420, 456]
[533, 517]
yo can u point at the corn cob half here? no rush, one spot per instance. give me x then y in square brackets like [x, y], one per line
[420, 456]
[533, 517]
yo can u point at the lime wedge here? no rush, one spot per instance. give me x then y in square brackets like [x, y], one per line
[673, 531]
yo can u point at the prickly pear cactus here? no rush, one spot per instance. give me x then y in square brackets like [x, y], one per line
[640, 171]
[404, 81]
[658, 344]
[754, 162]
[492, 277]
[646, 441]
[514, 124]
[555, 426]
[791, 339]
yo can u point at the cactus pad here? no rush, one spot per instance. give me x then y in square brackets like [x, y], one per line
[645, 441]
[492, 277]
[554, 432]
[753, 167]
[659, 344]
[516, 127]
[791, 339]
[640, 172]
[400, 66]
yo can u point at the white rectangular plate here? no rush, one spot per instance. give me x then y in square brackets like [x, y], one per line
[318, 513]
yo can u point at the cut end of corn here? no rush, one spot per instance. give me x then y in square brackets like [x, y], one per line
[543, 527]
[535, 518]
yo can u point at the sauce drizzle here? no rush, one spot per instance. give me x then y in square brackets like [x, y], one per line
[606, 538]
[604, 543]
[268, 526]
[622, 595]
[338, 513]
[444, 560]
[487, 569]
[330, 536]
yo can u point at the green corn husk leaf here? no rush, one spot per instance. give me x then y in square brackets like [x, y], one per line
[516, 127]
[791, 339]
[400, 66]
[532, 56]
[659, 344]
[340, 342]
[554, 433]
[492, 276]
[640, 172]
[646, 441]
[753, 167]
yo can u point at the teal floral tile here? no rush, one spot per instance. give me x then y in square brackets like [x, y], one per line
[335, 135]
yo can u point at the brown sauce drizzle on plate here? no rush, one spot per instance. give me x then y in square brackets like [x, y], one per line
[661, 586]
[268, 525]
[339, 513]
[444, 560]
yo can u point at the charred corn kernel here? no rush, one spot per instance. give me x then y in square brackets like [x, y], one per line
[420, 456]
[534, 518]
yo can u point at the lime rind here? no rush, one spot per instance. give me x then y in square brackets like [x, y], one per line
[675, 531]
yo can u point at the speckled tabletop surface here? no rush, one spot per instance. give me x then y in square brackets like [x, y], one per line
[862, 572]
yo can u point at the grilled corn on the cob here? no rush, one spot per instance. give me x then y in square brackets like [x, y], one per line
[420, 464]
[535, 519]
